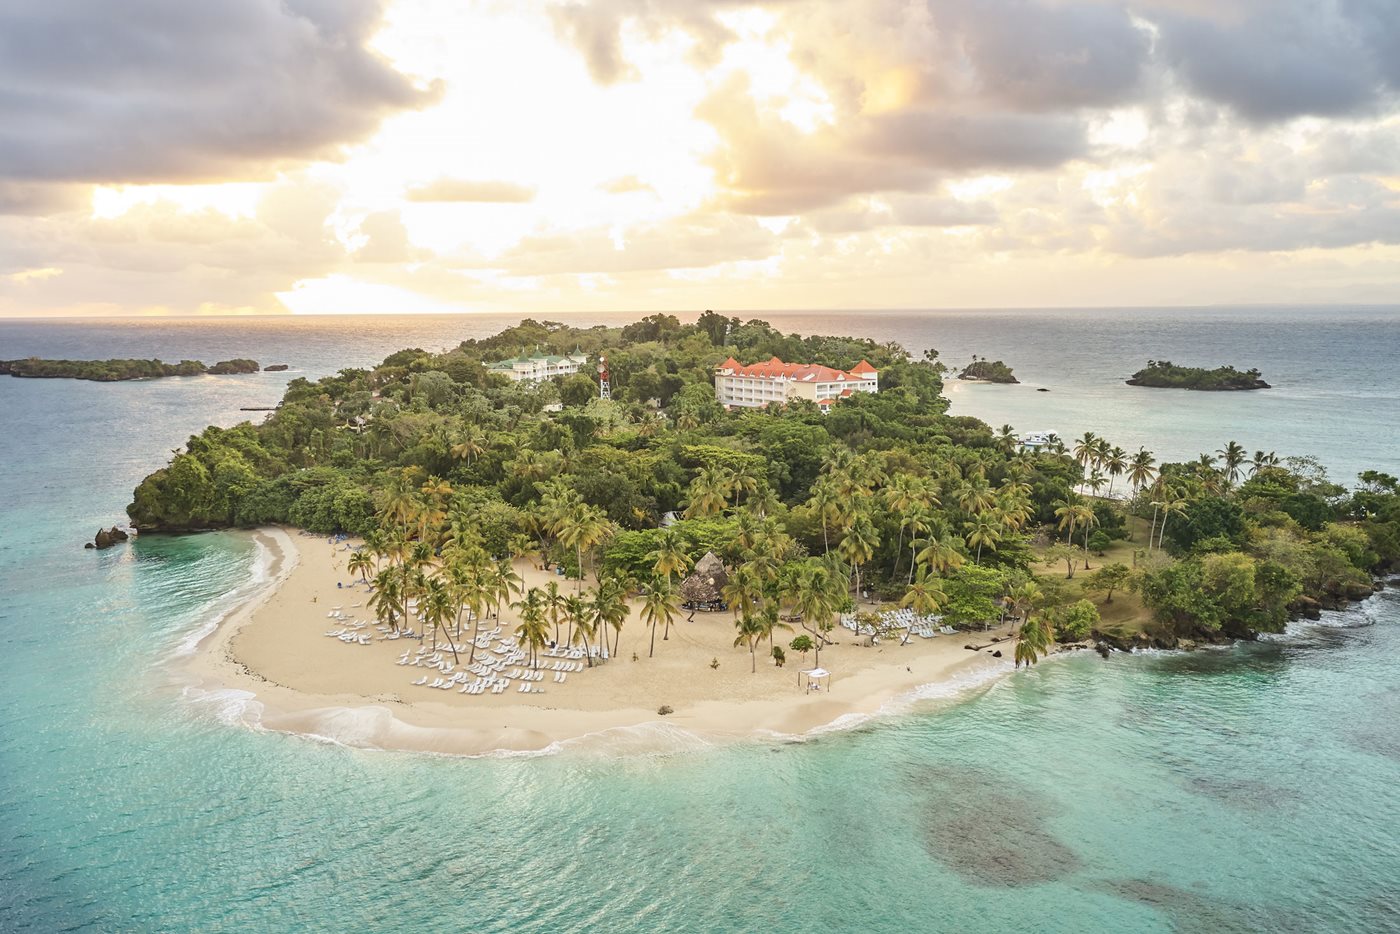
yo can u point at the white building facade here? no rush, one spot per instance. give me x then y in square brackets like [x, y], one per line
[539, 367]
[760, 384]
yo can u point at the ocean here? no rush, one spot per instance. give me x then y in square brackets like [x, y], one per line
[1239, 789]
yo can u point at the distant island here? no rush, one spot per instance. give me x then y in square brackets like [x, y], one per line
[112, 371]
[1163, 374]
[988, 371]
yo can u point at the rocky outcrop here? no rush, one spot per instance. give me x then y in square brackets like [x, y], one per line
[988, 371]
[106, 538]
[235, 366]
[275, 368]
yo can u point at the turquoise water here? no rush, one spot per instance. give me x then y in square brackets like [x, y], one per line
[1244, 789]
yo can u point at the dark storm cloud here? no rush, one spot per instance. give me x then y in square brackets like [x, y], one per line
[1267, 60]
[1030, 56]
[975, 141]
[180, 90]
[1280, 59]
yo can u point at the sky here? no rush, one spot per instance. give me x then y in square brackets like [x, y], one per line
[162, 157]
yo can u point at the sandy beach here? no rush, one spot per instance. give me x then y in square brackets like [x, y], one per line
[276, 648]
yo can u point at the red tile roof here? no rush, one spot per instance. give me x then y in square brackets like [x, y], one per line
[800, 372]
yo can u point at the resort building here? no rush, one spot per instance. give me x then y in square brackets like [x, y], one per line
[758, 385]
[539, 367]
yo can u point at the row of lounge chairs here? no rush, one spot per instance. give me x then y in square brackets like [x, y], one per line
[926, 627]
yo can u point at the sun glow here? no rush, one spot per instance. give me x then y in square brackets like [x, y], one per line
[232, 199]
[342, 295]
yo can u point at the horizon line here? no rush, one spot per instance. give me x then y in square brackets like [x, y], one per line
[195, 316]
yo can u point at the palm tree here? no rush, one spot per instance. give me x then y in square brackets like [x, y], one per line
[669, 555]
[709, 492]
[986, 530]
[361, 562]
[583, 528]
[501, 582]
[533, 629]
[1169, 508]
[1232, 458]
[750, 632]
[472, 572]
[1088, 519]
[811, 595]
[1140, 469]
[1086, 450]
[902, 494]
[399, 505]
[940, 558]
[767, 622]
[765, 502]
[468, 444]
[415, 558]
[1033, 642]
[662, 604]
[437, 492]
[743, 591]
[610, 607]
[385, 601]
[1260, 460]
[553, 606]
[576, 611]
[1014, 503]
[859, 544]
[1005, 439]
[1024, 598]
[975, 495]
[438, 608]
[1068, 514]
[1116, 464]
[827, 506]
[918, 521]
[1095, 481]
[924, 596]
[748, 527]
[742, 480]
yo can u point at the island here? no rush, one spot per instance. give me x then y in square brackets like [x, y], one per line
[275, 368]
[988, 371]
[119, 370]
[1162, 374]
[464, 559]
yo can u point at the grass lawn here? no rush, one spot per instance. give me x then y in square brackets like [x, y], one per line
[1126, 615]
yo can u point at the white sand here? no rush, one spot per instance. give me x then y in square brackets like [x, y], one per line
[276, 648]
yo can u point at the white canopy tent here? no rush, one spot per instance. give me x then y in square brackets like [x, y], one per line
[814, 678]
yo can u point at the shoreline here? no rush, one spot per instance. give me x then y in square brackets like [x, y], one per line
[267, 663]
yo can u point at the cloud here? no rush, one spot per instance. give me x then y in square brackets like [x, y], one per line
[159, 255]
[1025, 55]
[624, 185]
[1274, 60]
[595, 29]
[37, 199]
[166, 90]
[463, 190]
[694, 242]
[386, 240]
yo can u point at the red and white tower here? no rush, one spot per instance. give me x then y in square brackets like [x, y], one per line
[604, 386]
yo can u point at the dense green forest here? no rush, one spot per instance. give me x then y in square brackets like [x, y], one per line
[1163, 374]
[111, 371]
[430, 458]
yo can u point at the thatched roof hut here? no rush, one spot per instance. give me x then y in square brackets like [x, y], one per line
[705, 585]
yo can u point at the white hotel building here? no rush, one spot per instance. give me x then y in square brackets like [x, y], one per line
[757, 385]
[539, 367]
